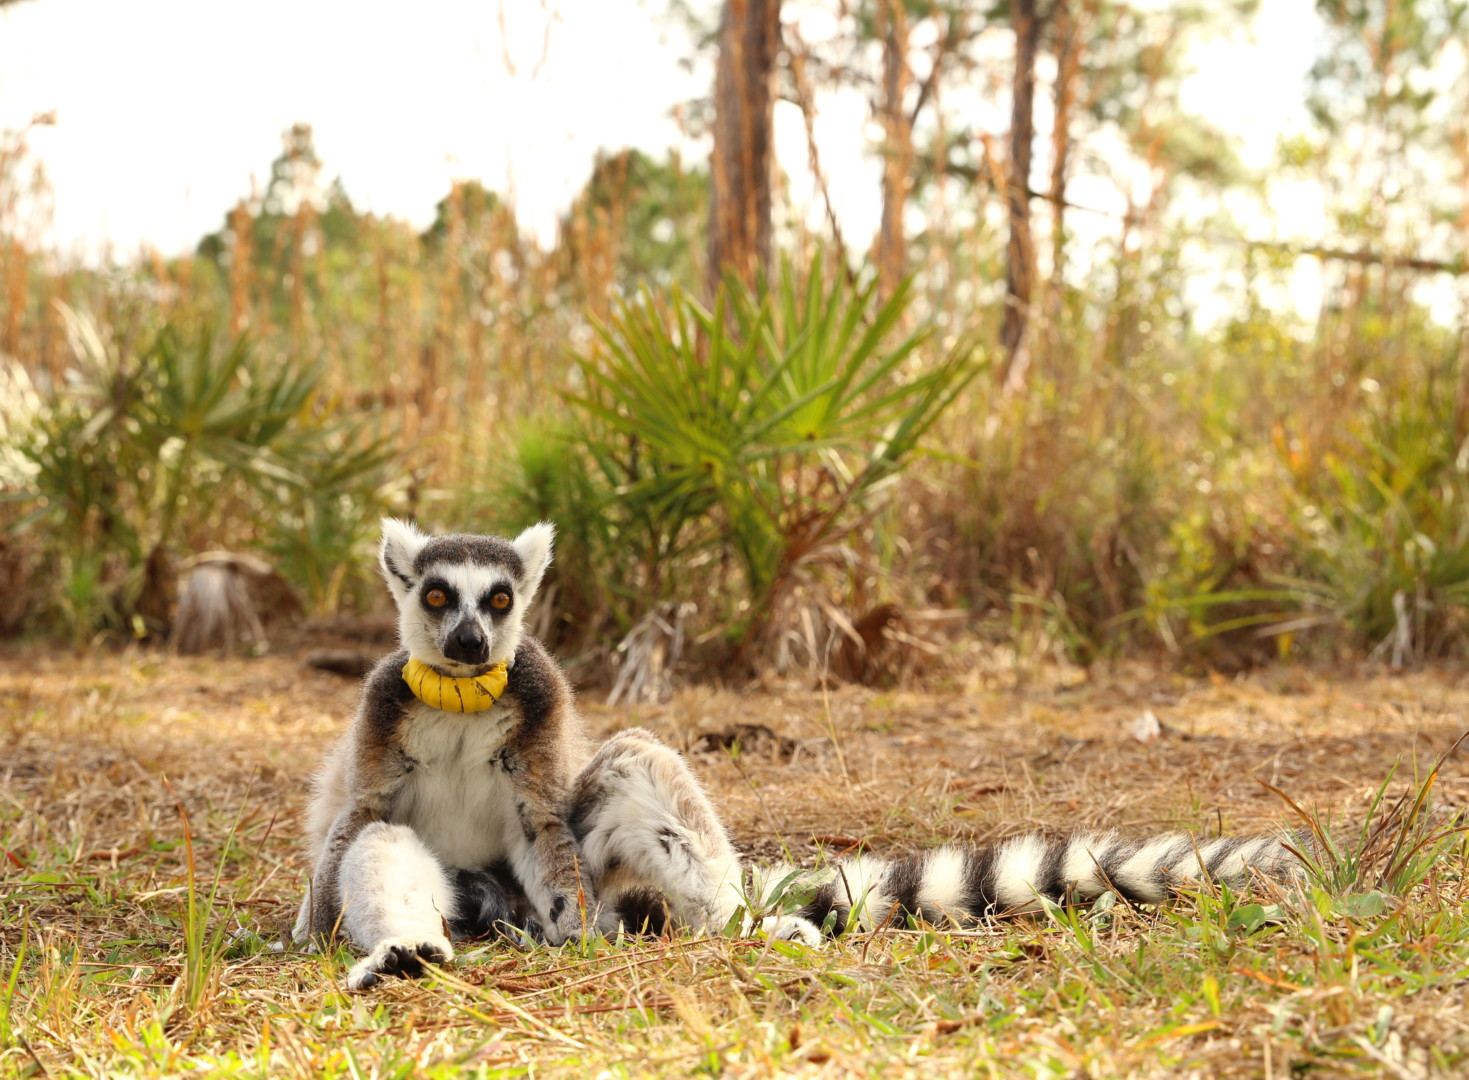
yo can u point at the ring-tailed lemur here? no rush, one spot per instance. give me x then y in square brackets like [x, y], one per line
[449, 805]
[465, 799]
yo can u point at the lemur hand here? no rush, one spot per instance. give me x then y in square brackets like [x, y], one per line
[568, 921]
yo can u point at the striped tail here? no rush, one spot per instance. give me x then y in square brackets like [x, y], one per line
[958, 886]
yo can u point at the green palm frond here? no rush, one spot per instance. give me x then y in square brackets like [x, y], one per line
[762, 425]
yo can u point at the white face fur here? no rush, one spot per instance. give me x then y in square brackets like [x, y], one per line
[462, 599]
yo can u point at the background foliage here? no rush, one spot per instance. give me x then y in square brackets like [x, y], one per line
[796, 455]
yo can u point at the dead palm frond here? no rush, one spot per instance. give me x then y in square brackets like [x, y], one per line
[216, 610]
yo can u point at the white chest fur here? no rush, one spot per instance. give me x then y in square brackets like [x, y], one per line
[459, 803]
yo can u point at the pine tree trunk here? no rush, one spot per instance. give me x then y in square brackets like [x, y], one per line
[897, 170]
[1019, 252]
[744, 103]
[1068, 67]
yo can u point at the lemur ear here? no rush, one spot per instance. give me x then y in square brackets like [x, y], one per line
[534, 548]
[400, 545]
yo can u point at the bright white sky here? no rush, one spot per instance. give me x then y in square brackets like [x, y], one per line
[166, 108]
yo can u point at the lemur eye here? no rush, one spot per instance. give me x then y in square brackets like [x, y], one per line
[435, 598]
[500, 601]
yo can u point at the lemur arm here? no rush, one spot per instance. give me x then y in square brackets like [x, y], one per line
[543, 853]
[549, 865]
[542, 759]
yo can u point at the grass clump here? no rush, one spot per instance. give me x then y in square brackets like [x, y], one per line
[1397, 847]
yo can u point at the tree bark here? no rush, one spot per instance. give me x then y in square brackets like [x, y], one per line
[740, 170]
[1019, 252]
[897, 168]
[1068, 67]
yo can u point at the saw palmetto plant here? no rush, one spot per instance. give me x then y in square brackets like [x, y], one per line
[768, 424]
[141, 455]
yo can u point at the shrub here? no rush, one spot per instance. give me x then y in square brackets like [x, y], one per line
[1381, 528]
[135, 458]
[762, 433]
[546, 475]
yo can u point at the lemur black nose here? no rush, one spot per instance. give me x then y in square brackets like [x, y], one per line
[468, 638]
[467, 644]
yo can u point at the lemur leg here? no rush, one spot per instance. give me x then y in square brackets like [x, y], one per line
[646, 828]
[396, 902]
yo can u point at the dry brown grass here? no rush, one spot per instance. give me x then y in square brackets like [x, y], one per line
[94, 873]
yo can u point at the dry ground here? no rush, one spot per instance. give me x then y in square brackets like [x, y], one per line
[97, 977]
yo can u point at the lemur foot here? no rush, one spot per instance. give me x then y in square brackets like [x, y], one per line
[401, 956]
[790, 928]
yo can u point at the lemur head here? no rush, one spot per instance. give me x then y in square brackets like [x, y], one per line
[462, 599]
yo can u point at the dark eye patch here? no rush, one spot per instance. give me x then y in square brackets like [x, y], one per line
[437, 589]
[498, 600]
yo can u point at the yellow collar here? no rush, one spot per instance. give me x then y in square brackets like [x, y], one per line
[455, 695]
